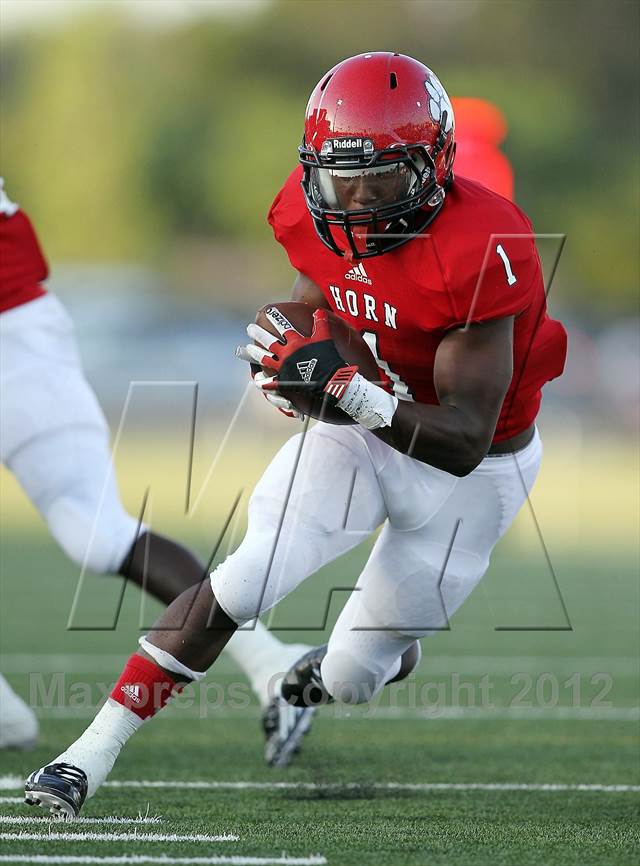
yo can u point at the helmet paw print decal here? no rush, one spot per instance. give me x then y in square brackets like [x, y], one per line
[439, 102]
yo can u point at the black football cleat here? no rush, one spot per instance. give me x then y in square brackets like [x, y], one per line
[61, 788]
[284, 727]
[302, 685]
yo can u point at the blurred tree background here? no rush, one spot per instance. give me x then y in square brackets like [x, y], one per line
[164, 145]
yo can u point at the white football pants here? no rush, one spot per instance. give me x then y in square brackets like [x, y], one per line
[54, 436]
[323, 494]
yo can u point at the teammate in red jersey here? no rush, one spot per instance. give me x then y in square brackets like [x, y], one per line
[443, 278]
[55, 440]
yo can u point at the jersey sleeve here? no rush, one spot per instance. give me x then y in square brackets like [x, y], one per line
[506, 284]
[290, 221]
[490, 263]
[22, 263]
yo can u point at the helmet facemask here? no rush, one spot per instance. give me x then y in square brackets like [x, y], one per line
[365, 203]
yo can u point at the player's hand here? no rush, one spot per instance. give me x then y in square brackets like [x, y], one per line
[259, 377]
[281, 403]
[298, 361]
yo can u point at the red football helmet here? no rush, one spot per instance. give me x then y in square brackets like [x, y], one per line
[377, 152]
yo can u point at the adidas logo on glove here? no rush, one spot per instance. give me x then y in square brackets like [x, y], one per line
[306, 368]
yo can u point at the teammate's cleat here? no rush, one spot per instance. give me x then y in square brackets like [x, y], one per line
[61, 788]
[302, 685]
[284, 727]
[18, 723]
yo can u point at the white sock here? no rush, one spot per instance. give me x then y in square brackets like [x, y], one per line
[263, 659]
[96, 750]
[248, 646]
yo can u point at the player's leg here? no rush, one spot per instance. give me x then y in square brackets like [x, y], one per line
[18, 723]
[264, 660]
[36, 343]
[55, 440]
[415, 580]
[317, 499]
[69, 477]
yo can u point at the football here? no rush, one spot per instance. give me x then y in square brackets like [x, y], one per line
[349, 344]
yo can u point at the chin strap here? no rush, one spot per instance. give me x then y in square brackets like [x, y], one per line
[366, 403]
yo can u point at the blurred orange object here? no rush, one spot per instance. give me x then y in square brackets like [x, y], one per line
[480, 129]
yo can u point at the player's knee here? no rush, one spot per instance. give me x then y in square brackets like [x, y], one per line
[240, 583]
[93, 539]
[347, 679]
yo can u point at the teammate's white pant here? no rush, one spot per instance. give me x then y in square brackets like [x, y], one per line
[55, 440]
[18, 723]
[433, 549]
[54, 437]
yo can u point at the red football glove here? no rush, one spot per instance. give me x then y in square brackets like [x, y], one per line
[310, 363]
[281, 403]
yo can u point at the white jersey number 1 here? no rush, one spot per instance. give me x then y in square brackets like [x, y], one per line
[400, 387]
[511, 277]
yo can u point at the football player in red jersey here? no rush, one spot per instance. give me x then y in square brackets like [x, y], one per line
[443, 279]
[54, 439]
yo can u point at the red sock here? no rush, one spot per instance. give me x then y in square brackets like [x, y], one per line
[143, 687]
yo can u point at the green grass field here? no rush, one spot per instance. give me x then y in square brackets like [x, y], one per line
[494, 703]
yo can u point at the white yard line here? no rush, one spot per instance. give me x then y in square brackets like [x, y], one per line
[397, 786]
[453, 713]
[117, 837]
[95, 663]
[378, 786]
[110, 819]
[373, 713]
[11, 799]
[11, 782]
[23, 663]
[167, 861]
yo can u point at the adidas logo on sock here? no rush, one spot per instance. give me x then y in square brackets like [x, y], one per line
[132, 692]
[358, 274]
[306, 368]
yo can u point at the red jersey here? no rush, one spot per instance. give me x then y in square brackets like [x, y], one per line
[22, 264]
[477, 261]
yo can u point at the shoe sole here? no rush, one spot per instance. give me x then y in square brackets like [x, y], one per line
[57, 805]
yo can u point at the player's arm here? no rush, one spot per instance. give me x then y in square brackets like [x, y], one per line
[306, 291]
[472, 372]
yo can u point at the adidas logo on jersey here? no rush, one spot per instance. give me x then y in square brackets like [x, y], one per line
[132, 692]
[359, 274]
[306, 368]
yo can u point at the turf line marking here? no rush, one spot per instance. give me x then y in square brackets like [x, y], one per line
[431, 712]
[453, 713]
[96, 663]
[13, 782]
[117, 837]
[317, 860]
[109, 819]
[378, 786]
[11, 800]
